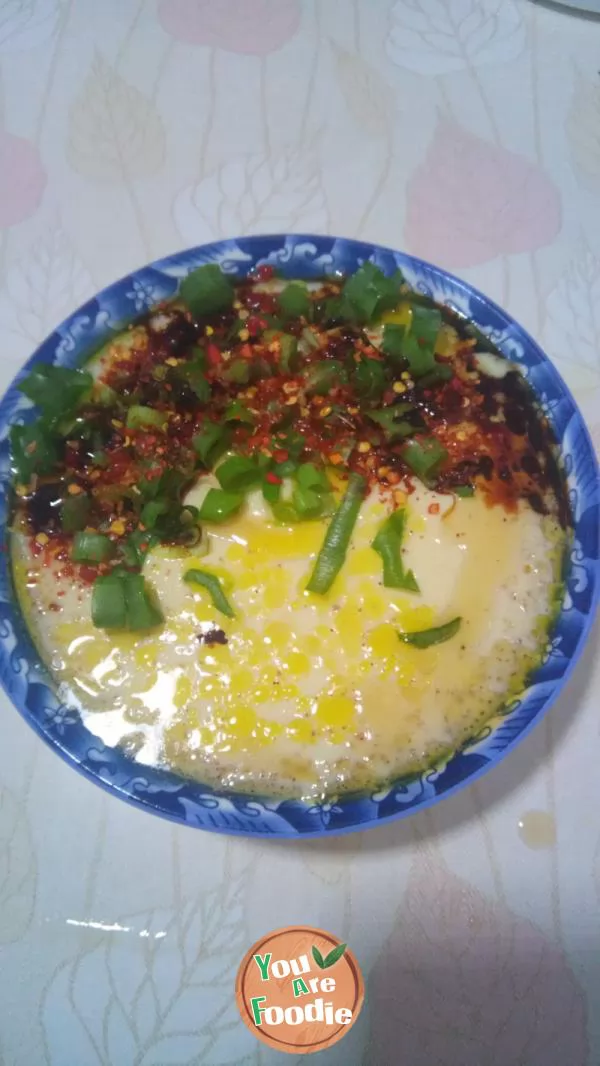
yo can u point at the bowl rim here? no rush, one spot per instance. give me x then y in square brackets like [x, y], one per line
[28, 682]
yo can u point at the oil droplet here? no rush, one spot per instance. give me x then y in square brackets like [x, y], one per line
[537, 830]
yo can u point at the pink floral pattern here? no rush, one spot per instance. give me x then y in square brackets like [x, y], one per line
[248, 27]
[22, 179]
[471, 201]
[464, 982]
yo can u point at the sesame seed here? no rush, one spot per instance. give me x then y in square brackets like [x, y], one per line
[325, 411]
[243, 334]
[208, 330]
[364, 447]
[74, 490]
[399, 387]
[172, 361]
[41, 538]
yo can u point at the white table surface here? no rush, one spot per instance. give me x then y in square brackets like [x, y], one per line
[466, 131]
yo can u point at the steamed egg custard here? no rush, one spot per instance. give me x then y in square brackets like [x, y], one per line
[290, 539]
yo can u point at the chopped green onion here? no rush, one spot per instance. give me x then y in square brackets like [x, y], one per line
[145, 418]
[425, 638]
[392, 344]
[294, 301]
[91, 548]
[109, 606]
[441, 372]
[369, 378]
[75, 512]
[211, 442]
[309, 476]
[323, 376]
[206, 291]
[137, 546]
[388, 545]
[219, 506]
[143, 611]
[424, 457]
[104, 395]
[238, 372]
[56, 390]
[289, 353]
[238, 473]
[464, 490]
[271, 491]
[368, 293]
[34, 450]
[337, 539]
[238, 412]
[192, 373]
[286, 468]
[310, 503]
[153, 511]
[213, 586]
[394, 426]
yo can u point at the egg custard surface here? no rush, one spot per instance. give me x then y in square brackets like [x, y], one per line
[211, 622]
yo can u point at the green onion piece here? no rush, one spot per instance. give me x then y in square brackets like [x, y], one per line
[271, 491]
[219, 506]
[136, 548]
[424, 457]
[464, 490]
[91, 548]
[337, 539]
[238, 372]
[441, 372]
[286, 468]
[211, 442]
[192, 373]
[206, 291]
[145, 418]
[310, 503]
[109, 606]
[75, 511]
[100, 458]
[238, 473]
[288, 358]
[56, 390]
[104, 395]
[394, 426]
[34, 450]
[321, 377]
[388, 545]
[213, 586]
[369, 379]
[368, 293]
[293, 443]
[285, 512]
[425, 638]
[425, 325]
[393, 341]
[309, 476]
[153, 511]
[294, 301]
[238, 412]
[420, 358]
[143, 612]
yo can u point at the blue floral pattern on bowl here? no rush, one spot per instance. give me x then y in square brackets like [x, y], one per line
[31, 688]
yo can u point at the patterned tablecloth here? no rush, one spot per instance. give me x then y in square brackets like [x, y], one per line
[467, 131]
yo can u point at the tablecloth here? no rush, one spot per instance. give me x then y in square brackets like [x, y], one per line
[468, 132]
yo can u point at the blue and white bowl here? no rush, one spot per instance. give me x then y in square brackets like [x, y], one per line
[31, 688]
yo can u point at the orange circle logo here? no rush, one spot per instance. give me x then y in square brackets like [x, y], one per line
[299, 989]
